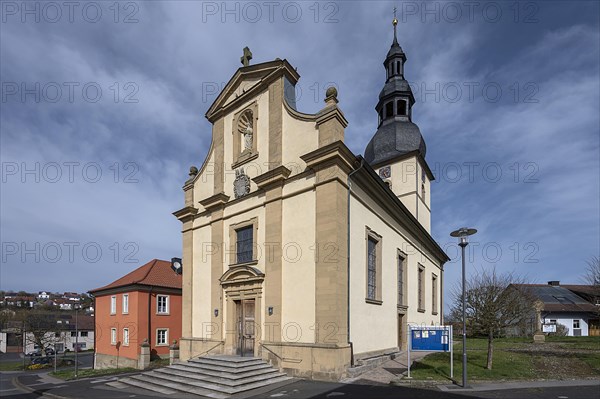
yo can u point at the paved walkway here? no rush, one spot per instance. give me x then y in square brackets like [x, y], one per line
[388, 371]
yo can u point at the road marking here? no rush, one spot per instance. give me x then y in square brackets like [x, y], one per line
[563, 397]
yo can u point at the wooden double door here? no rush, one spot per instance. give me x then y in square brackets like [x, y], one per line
[246, 327]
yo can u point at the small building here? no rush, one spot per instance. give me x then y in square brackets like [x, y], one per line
[144, 305]
[43, 295]
[558, 304]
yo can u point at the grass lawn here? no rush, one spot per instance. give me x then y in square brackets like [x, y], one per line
[11, 366]
[517, 359]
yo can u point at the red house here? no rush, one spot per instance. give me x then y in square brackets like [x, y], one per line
[142, 305]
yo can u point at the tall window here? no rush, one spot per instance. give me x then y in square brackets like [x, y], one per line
[126, 336]
[372, 269]
[113, 336]
[400, 280]
[576, 324]
[125, 303]
[401, 104]
[421, 289]
[389, 109]
[244, 241]
[434, 294]
[423, 182]
[162, 336]
[113, 305]
[162, 304]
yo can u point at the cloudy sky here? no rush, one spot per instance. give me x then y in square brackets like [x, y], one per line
[103, 113]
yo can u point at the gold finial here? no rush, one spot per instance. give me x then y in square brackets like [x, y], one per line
[395, 21]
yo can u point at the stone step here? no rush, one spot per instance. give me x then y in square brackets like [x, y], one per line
[222, 379]
[222, 362]
[189, 385]
[221, 370]
[131, 381]
[167, 387]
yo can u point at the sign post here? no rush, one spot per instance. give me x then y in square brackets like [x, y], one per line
[430, 339]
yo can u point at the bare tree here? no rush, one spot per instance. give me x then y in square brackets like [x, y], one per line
[592, 271]
[39, 327]
[493, 304]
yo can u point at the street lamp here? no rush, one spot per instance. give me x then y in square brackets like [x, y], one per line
[463, 233]
[76, 341]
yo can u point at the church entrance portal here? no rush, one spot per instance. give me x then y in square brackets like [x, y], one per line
[246, 331]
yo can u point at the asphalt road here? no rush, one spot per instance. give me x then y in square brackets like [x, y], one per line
[96, 389]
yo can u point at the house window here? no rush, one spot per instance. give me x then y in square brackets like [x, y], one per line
[113, 336]
[162, 336]
[125, 303]
[57, 335]
[113, 305]
[244, 244]
[373, 267]
[126, 336]
[552, 321]
[421, 289]
[162, 304]
[576, 323]
[400, 280]
[73, 333]
[434, 294]
[83, 334]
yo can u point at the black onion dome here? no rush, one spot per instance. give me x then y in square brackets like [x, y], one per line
[397, 134]
[393, 139]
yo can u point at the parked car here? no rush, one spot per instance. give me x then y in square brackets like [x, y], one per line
[34, 353]
[41, 360]
[49, 351]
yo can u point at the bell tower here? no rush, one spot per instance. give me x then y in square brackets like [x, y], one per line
[397, 150]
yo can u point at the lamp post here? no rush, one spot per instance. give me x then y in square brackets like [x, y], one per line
[463, 233]
[76, 341]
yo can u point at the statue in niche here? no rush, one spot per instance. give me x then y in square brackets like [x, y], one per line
[248, 137]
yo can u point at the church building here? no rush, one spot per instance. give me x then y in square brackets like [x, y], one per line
[295, 249]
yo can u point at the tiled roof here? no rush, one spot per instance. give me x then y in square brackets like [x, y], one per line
[156, 273]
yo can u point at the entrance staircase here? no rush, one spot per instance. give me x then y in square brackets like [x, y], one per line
[217, 376]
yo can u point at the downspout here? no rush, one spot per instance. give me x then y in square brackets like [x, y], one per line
[95, 343]
[442, 295]
[362, 161]
[150, 320]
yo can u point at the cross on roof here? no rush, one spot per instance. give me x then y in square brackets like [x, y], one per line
[245, 59]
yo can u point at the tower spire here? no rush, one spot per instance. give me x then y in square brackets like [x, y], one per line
[395, 22]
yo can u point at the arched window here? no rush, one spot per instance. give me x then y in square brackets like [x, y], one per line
[389, 109]
[401, 106]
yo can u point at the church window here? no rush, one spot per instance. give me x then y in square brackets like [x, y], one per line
[400, 280]
[397, 67]
[434, 294]
[373, 267]
[423, 182]
[421, 289]
[401, 105]
[389, 109]
[244, 240]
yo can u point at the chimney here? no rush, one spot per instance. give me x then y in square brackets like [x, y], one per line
[554, 283]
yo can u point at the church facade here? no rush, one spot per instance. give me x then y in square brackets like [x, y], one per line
[295, 249]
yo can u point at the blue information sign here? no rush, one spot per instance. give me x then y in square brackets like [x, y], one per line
[434, 339]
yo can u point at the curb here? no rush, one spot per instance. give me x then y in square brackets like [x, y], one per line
[519, 385]
[21, 386]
